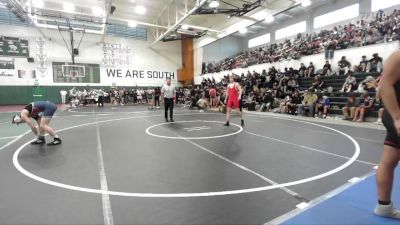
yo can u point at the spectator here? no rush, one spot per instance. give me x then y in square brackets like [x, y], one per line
[302, 70]
[308, 103]
[266, 101]
[327, 69]
[295, 101]
[344, 66]
[362, 67]
[322, 107]
[375, 63]
[213, 96]
[369, 84]
[364, 107]
[350, 83]
[318, 84]
[283, 106]
[310, 70]
[350, 108]
[202, 104]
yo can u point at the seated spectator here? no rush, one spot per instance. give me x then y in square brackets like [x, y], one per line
[344, 66]
[310, 70]
[369, 84]
[202, 103]
[308, 103]
[283, 106]
[375, 63]
[295, 101]
[292, 84]
[302, 70]
[350, 83]
[350, 108]
[318, 84]
[266, 101]
[322, 107]
[221, 105]
[362, 67]
[327, 69]
[365, 106]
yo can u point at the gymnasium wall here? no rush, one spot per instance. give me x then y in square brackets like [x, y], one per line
[352, 54]
[160, 59]
[223, 48]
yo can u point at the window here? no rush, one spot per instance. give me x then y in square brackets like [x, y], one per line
[383, 4]
[291, 30]
[263, 39]
[339, 15]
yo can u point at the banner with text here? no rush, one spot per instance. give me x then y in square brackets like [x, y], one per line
[136, 77]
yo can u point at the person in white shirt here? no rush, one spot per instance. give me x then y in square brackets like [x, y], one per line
[168, 93]
[63, 94]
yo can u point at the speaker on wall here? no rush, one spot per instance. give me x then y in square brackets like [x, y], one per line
[30, 59]
[76, 51]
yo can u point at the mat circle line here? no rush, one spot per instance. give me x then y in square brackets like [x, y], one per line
[192, 138]
[186, 195]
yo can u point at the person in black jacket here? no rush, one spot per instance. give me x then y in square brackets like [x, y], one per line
[266, 101]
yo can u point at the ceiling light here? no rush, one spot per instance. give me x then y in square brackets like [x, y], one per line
[68, 7]
[132, 24]
[213, 4]
[97, 11]
[243, 30]
[132, 1]
[269, 19]
[28, 3]
[305, 3]
[140, 10]
[185, 27]
[38, 3]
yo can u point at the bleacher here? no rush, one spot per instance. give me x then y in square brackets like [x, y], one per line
[339, 99]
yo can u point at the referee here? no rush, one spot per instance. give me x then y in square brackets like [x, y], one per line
[168, 93]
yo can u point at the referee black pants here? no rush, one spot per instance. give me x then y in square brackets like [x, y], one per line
[169, 104]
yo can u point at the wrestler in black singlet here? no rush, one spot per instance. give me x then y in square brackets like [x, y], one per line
[392, 139]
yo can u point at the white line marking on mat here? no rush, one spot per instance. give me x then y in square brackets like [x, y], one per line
[184, 195]
[240, 129]
[285, 189]
[354, 180]
[305, 147]
[107, 212]
[302, 205]
[2, 138]
[14, 140]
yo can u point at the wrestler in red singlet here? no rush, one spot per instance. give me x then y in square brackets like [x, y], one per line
[233, 93]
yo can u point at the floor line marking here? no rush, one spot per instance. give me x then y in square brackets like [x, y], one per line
[269, 181]
[22, 170]
[15, 140]
[289, 215]
[2, 138]
[308, 148]
[107, 212]
[319, 132]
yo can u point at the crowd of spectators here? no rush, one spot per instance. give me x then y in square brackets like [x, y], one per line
[383, 28]
[279, 91]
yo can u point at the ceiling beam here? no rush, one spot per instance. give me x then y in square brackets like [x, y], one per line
[108, 4]
[137, 22]
[173, 27]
